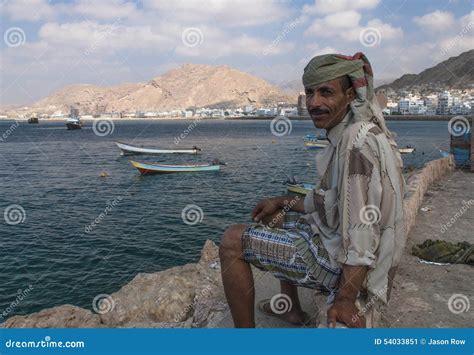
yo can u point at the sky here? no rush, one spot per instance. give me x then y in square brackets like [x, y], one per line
[47, 45]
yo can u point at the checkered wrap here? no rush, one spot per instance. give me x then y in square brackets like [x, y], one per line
[292, 254]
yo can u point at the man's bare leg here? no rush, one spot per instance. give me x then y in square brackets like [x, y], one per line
[237, 278]
[296, 314]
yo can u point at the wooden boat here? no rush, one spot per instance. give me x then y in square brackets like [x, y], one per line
[148, 169]
[301, 189]
[311, 141]
[33, 120]
[406, 150]
[131, 150]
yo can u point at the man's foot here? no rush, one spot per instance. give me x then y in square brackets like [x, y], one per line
[295, 317]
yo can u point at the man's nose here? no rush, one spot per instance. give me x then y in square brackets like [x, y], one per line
[314, 101]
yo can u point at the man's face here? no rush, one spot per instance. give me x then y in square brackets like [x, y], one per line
[328, 103]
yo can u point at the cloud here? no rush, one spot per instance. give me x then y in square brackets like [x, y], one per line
[28, 10]
[436, 21]
[324, 7]
[105, 9]
[236, 13]
[345, 25]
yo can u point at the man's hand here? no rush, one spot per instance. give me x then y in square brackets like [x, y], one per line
[267, 208]
[344, 309]
[345, 312]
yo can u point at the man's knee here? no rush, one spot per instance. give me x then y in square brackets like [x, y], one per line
[231, 241]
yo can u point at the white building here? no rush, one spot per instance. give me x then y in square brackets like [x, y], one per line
[445, 101]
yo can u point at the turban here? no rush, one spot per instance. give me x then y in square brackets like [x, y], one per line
[328, 67]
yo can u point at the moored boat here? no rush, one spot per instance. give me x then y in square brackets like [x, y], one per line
[311, 141]
[301, 189]
[127, 149]
[149, 169]
[74, 122]
[406, 150]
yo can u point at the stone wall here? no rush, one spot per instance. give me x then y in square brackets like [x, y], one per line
[417, 184]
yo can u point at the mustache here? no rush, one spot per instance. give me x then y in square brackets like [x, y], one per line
[317, 111]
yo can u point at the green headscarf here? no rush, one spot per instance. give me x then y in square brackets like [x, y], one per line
[328, 67]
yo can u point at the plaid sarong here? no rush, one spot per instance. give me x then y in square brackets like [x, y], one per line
[292, 254]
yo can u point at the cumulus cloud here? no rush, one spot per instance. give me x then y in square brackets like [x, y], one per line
[435, 21]
[325, 7]
[346, 26]
[28, 10]
[228, 13]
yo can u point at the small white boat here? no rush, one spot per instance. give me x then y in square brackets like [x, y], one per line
[131, 150]
[406, 150]
[150, 169]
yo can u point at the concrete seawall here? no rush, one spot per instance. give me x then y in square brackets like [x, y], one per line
[192, 295]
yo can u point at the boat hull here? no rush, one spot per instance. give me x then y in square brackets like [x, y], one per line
[151, 169]
[300, 189]
[73, 125]
[131, 150]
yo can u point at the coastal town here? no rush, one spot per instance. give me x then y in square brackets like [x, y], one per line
[420, 101]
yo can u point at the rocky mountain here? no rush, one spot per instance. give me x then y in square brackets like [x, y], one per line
[192, 85]
[455, 72]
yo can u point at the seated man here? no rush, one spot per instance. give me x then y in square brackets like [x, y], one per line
[350, 235]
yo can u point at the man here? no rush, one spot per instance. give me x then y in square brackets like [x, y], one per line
[350, 236]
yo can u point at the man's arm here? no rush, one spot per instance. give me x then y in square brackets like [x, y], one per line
[344, 309]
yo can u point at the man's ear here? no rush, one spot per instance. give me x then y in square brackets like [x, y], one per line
[351, 93]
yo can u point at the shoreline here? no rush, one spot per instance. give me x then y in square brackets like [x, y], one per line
[245, 118]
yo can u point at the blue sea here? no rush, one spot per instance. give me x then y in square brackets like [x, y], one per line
[73, 234]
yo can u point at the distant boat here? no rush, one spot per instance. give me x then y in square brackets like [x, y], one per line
[311, 141]
[33, 120]
[74, 122]
[148, 169]
[131, 150]
[301, 189]
[407, 150]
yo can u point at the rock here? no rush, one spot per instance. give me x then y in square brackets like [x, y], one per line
[166, 298]
[209, 253]
[65, 316]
